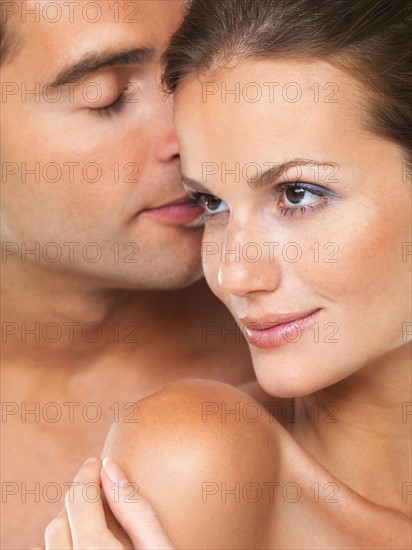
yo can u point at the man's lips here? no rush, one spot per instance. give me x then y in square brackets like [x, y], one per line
[274, 330]
[180, 211]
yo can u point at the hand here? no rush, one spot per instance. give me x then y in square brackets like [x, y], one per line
[83, 523]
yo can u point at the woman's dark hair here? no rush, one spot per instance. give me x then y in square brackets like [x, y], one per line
[369, 38]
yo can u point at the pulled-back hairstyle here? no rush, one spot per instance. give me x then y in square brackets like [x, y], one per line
[369, 38]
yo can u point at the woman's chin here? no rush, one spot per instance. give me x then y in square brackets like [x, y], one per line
[292, 378]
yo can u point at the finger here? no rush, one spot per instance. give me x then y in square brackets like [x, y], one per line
[134, 513]
[85, 512]
[57, 535]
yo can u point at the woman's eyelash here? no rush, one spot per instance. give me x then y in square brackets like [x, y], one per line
[302, 209]
[325, 195]
[311, 187]
[197, 199]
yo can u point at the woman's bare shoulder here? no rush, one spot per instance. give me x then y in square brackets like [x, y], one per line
[222, 472]
[201, 451]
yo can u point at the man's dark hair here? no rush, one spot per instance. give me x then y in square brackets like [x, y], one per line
[8, 42]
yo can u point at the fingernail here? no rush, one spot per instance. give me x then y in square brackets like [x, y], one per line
[114, 472]
[90, 460]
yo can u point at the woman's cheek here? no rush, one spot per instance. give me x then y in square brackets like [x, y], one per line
[211, 264]
[365, 288]
[211, 258]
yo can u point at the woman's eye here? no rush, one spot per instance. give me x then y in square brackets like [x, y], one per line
[214, 205]
[297, 196]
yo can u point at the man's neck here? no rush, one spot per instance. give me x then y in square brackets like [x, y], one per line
[66, 321]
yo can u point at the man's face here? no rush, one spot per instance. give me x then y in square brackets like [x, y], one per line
[85, 176]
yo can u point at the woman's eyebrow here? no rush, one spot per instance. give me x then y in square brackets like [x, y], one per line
[194, 185]
[92, 62]
[273, 171]
[276, 170]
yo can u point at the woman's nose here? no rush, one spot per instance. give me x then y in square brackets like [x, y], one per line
[248, 266]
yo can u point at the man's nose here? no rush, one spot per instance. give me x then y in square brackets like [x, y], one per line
[248, 266]
[166, 146]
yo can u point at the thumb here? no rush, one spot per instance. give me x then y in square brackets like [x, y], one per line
[134, 513]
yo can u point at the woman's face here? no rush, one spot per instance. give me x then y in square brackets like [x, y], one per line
[319, 244]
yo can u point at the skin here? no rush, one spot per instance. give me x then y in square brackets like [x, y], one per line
[203, 483]
[364, 449]
[369, 221]
[161, 334]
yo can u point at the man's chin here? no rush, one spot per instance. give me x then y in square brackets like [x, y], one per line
[162, 274]
[175, 279]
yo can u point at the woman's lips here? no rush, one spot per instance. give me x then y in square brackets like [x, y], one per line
[278, 330]
[176, 213]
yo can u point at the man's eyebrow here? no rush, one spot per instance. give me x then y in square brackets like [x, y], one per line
[269, 176]
[92, 62]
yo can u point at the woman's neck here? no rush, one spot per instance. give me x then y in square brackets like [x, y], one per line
[360, 430]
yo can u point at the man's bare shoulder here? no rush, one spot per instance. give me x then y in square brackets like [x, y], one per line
[201, 451]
